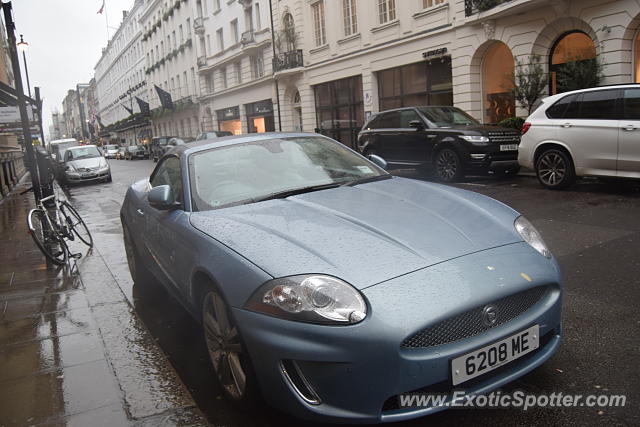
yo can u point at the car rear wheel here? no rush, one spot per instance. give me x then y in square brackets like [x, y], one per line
[448, 166]
[226, 350]
[555, 169]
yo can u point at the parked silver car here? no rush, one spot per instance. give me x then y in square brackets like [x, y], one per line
[85, 163]
[589, 132]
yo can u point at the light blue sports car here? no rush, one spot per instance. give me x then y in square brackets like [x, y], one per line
[332, 288]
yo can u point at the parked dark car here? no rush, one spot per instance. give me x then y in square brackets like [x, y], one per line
[213, 134]
[158, 145]
[445, 140]
[136, 152]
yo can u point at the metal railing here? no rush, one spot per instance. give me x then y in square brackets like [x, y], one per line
[198, 25]
[247, 37]
[202, 61]
[472, 7]
[288, 60]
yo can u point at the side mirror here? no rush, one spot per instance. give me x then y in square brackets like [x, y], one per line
[378, 161]
[161, 198]
[416, 124]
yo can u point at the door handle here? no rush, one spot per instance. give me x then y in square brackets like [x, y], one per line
[566, 125]
[140, 212]
[629, 127]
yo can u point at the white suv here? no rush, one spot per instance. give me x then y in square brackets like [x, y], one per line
[593, 132]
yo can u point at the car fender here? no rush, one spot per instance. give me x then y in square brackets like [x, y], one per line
[539, 145]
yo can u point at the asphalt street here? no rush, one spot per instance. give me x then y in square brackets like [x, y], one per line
[594, 231]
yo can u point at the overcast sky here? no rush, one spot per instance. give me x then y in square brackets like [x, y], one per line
[65, 40]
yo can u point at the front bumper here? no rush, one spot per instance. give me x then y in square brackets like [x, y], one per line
[87, 176]
[482, 159]
[356, 369]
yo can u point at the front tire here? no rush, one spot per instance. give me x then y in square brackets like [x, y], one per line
[226, 350]
[555, 169]
[448, 166]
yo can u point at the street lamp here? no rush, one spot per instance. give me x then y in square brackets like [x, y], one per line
[22, 46]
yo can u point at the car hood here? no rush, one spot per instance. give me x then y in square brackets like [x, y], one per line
[92, 162]
[364, 234]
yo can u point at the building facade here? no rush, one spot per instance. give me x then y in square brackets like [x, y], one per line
[71, 115]
[169, 58]
[57, 129]
[338, 61]
[120, 78]
[235, 51]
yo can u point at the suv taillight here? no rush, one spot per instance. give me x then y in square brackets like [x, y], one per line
[525, 127]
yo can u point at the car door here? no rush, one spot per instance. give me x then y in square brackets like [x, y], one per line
[416, 144]
[390, 144]
[629, 135]
[165, 229]
[590, 129]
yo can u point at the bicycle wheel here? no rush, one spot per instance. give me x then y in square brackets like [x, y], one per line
[49, 241]
[76, 223]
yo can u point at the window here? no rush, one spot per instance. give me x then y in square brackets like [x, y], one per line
[406, 117]
[181, 34]
[216, 5]
[600, 104]
[557, 110]
[186, 83]
[340, 109]
[234, 31]
[319, 31]
[223, 77]
[390, 120]
[431, 3]
[257, 65]
[349, 17]
[386, 11]
[258, 20]
[210, 83]
[632, 104]
[173, 34]
[220, 39]
[209, 49]
[178, 85]
[238, 71]
[168, 173]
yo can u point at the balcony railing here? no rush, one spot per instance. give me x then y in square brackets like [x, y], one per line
[287, 60]
[202, 61]
[247, 37]
[472, 7]
[198, 25]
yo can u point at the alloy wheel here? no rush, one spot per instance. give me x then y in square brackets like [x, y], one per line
[447, 165]
[224, 346]
[552, 169]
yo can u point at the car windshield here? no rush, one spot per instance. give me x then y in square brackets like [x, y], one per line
[111, 147]
[253, 171]
[446, 117]
[83, 153]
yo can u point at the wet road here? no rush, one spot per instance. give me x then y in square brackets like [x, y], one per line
[594, 230]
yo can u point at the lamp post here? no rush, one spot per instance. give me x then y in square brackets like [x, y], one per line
[22, 46]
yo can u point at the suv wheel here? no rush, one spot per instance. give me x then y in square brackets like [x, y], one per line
[448, 166]
[554, 169]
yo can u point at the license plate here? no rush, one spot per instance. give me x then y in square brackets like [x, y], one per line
[494, 355]
[88, 175]
[509, 147]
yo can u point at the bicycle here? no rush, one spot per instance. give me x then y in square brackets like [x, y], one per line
[51, 227]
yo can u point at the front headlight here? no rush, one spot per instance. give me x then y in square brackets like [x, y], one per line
[311, 298]
[476, 139]
[530, 235]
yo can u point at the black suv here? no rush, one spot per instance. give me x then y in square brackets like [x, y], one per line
[446, 139]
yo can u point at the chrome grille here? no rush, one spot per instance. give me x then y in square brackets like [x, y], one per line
[504, 138]
[470, 323]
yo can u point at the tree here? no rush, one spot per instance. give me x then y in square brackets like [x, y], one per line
[579, 74]
[529, 83]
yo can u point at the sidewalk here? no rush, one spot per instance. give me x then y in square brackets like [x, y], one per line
[72, 350]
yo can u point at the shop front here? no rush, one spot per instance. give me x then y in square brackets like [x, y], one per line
[229, 120]
[340, 109]
[260, 116]
[422, 83]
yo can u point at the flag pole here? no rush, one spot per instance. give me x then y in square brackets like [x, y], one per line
[106, 18]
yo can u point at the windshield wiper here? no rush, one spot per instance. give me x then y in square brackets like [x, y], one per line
[367, 179]
[295, 191]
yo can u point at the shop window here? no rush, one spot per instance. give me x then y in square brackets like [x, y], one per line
[260, 116]
[340, 109]
[571, 47]
[637, 56]
[419, 84]
[497, 71]
[229, 120]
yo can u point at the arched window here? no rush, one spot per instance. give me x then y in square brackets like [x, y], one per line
[636, 45]
[497, 71]
[571, 47]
